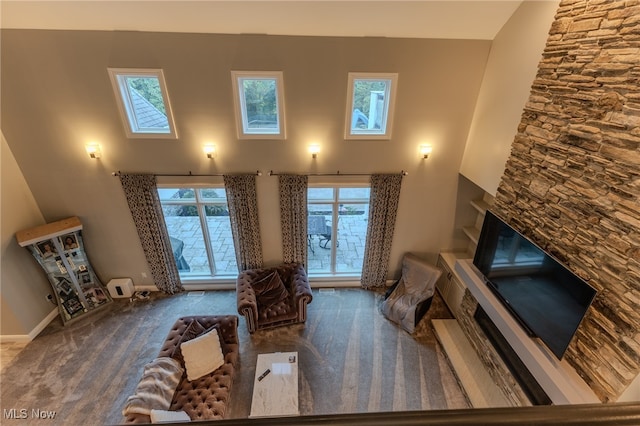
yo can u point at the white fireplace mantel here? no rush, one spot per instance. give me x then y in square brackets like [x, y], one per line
[558, 379]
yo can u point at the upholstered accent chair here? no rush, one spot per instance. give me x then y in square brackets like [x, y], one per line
[272, 297]
[410, 297]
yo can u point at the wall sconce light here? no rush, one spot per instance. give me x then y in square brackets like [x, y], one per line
[314, 149]
[93, 149]
[425, 150]
[209, 149]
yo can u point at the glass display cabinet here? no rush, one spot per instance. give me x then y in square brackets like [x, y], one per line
[59, 249]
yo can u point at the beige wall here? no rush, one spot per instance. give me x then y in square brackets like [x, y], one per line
[511, 68]
[57, 96]
[24, 285]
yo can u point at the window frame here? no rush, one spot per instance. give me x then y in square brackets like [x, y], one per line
[335, 201]
[200, 203]
[125, 107]
[391, 80]
[240, 104]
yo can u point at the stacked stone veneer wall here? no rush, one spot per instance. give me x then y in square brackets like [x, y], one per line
[573, 178]
[497, 369]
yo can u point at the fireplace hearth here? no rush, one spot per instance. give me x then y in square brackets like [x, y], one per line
[529, 385]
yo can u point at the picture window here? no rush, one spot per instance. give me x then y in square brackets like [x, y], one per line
[336, 229]
[197, 220]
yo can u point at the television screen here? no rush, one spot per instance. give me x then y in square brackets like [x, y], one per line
[544, 296]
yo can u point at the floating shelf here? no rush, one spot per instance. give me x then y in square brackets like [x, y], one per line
[472, 233]
[480, 205]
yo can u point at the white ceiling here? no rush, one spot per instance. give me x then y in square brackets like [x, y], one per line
[453, 19]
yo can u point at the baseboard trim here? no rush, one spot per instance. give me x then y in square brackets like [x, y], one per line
[45, 322]
[150, 287]
[15, 338]
[207, 287]
[26, 338]
[319, 283]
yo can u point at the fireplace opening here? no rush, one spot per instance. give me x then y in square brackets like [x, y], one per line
[529, 385]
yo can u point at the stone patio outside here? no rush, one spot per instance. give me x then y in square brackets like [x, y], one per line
[352, 229]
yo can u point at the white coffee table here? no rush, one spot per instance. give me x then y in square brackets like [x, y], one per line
[277, 393]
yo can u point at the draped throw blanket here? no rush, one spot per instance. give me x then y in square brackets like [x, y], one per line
[142, 196]
[155, 390]
[383, 206]
[293, 217]
[245, 227]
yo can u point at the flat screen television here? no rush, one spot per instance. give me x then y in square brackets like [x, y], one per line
[544, 296]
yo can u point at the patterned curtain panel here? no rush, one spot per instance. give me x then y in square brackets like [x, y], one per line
[243, 212]
[383, 206]
[144, 203]
[293, 217]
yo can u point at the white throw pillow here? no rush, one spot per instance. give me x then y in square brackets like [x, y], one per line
[163, 416]
[202, 355]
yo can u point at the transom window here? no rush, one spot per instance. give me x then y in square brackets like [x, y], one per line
[199, 228]
[259, 101]
[370, 105]
[336, 229]
[143, 103]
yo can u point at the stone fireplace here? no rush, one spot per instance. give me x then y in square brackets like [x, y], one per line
[524, 378]
[572, 183]
[550, 377]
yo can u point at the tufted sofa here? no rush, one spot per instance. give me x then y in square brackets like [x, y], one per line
[289, 311]
[206, 398]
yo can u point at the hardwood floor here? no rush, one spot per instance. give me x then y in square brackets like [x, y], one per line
[352, 359]
[8, 351]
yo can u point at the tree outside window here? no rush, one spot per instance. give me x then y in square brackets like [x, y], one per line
[149, 88]
[259, 102]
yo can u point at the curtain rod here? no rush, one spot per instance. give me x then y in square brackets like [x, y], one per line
[272, 173]
[119, 173]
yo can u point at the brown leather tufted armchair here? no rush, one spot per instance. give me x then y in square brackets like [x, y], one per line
[289, 311]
